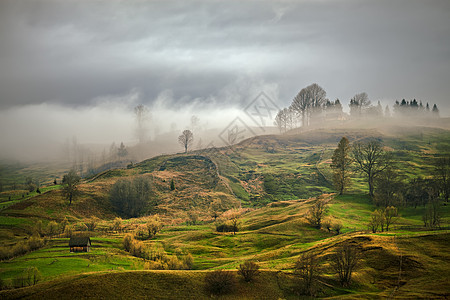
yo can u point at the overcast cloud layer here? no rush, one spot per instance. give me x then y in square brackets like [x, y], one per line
[209, 54]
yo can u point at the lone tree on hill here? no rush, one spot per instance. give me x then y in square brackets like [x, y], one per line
[371, 159]
[316, 213]
[341, 164]
[186, 139]
[307, 268]
[344, 261]
[70, 185]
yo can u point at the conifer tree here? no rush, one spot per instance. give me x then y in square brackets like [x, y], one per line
[341, 163]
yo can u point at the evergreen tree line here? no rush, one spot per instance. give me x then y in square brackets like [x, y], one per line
[415, 108]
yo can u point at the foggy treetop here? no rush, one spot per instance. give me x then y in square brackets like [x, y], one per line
[75, 52]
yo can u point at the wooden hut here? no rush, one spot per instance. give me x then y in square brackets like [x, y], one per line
[80, 244]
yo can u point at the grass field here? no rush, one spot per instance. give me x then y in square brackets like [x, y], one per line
[271, 181]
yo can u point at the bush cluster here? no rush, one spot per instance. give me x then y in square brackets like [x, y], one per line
[220, 282]
[248, 270]
[223, 227]
[33, 243]
[157, 258]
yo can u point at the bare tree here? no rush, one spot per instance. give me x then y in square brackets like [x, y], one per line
[344, 261]
[358, 103]
[122, 150]
[300, 104]
[70, 185]
[377, 220]
[442, 175]
[318, 98]
[308, 101]
[390, 216]
[337, 226]
[341, 164]
[371, 159]
[248, 270]
[186, 139]
[316, 213]
[285, 119]
[280, 120]
[141, 112]
[432, 217]
[307, 268]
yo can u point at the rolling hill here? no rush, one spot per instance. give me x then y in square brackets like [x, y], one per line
[270, 182]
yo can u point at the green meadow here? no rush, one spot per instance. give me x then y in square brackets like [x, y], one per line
[269, 184]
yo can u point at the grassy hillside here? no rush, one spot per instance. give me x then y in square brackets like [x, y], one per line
[275, 236]
[270, 182]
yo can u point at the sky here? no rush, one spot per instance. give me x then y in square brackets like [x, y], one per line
[90, 62]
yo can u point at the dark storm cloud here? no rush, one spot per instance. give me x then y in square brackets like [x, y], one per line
[71, 52]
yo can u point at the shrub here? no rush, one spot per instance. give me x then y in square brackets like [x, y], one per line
[68, 231]
[140, 232]
[91, 224]
[174, 263]
[52, 228]
[81, 227]
[137, 248]
[127, 241]
[18, 281]
[156, 253]
[5, 253]
[224, 227]
[117, 225]
[220, 282]
[31, 276]
[230, 226]
[38, 227]
[193, 217]
[155, 265]
[327, 223]
[63, 224]
[248, 270]
[337, 226]
[153, 226]
[5, 284]
[188, 261]
[35, 242]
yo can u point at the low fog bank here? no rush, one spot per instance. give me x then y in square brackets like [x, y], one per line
[53, 132]
[90, 138]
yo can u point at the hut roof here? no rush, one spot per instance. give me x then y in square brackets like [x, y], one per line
[79, 241]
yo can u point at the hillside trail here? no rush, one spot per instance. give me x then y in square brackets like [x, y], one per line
[222, 178]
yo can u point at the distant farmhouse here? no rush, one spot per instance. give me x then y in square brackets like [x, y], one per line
[80, 244]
